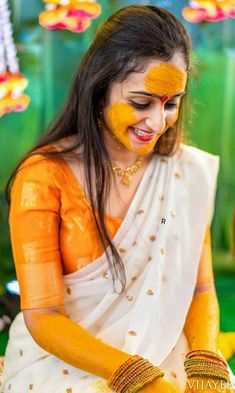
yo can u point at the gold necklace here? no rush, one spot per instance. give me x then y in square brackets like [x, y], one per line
[127, 173]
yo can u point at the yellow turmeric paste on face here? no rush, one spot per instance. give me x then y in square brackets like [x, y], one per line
[165, 80]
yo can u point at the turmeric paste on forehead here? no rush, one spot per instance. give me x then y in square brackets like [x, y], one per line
[165, 80]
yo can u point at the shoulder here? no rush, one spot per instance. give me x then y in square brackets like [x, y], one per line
[34, 185]
[198, 157]
[37, 168]
[199, 170]
[39, 161]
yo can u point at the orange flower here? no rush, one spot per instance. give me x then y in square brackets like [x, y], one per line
[209, 10]
[12, 97]
[74, 16]
[16, 82]
[10, 104]
[10, 83]
[84, 9]
[3, 85]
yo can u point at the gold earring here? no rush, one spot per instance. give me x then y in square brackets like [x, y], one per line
[99, 118]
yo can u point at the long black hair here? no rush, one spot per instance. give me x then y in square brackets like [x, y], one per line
[123, 44]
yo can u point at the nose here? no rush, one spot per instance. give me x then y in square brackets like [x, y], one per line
[156, 119]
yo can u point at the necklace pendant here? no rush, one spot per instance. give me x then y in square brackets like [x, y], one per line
[126, 174]
[127, 179]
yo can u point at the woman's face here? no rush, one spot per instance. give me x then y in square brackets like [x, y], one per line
[141, 108]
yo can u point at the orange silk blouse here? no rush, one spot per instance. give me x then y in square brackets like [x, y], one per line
[52, 229]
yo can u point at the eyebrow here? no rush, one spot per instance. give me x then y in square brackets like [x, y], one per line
[156, 95]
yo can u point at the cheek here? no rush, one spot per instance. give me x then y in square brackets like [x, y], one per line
[172, 118]
[120, 116]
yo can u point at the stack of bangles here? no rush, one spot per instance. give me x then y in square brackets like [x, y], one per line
[133, 374]
[202, 363]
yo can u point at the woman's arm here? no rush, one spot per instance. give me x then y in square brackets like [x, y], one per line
[34, 227]
[202, 323]
[68, 341]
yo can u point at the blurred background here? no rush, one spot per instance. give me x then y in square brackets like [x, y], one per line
[48, 59]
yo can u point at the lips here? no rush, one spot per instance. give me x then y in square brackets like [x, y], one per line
[142, 138]
[146, 132]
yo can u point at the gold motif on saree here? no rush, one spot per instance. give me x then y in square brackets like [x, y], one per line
[149, 292]
[178, 175]
[132, 333]
[101, 386]
[106, 275]
[68, 290]
[140, 211]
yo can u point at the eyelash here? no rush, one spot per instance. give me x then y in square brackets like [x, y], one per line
[136, 105]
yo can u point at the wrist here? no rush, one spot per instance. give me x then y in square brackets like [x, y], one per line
[204, 345]
[133, 374]
[115, 363]
[206, 364]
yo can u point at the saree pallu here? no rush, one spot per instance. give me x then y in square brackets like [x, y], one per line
[160, 241]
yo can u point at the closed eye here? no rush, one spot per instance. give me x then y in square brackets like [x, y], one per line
[170, 105]
[137, 105]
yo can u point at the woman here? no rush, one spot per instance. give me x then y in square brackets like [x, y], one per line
[109, 223]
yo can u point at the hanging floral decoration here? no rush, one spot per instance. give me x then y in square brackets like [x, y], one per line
[12, 82]
[209, 10]
[70, 15]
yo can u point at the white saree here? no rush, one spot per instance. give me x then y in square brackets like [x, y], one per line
[160, 240]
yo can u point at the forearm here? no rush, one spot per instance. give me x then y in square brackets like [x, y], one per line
[68, 341]
[202, 323]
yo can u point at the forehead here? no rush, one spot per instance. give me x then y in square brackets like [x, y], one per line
[158, 73]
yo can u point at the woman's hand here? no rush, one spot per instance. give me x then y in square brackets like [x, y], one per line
[159, 385]
[208, 385]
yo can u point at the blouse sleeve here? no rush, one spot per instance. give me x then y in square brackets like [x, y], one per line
[34, 229]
